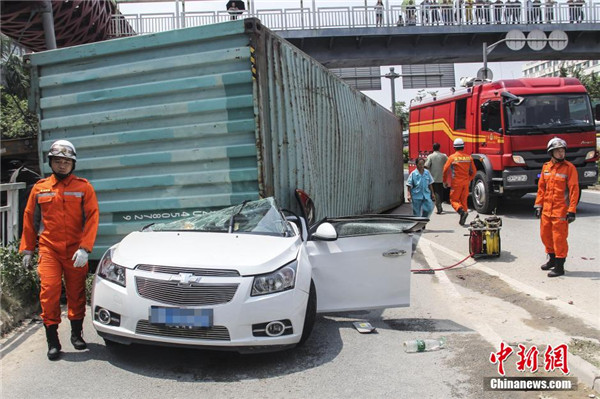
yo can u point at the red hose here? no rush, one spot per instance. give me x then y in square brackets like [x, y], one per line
[442, 268]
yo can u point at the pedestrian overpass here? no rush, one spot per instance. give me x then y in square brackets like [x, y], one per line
[343, 37]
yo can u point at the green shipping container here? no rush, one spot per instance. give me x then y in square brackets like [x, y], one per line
[189, 120]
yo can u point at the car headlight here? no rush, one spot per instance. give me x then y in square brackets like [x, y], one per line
[111, 271]
[280, 280]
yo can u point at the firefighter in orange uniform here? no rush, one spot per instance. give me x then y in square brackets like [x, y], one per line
[460, 170]
[62, 217]
[555, 205]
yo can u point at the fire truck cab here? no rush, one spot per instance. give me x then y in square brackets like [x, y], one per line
[506, 126]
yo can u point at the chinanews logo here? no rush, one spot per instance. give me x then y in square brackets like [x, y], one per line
[554, 358]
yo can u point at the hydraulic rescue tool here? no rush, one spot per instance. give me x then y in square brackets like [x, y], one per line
[484, 237]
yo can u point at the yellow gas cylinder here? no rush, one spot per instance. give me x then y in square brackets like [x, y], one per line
[493, 242]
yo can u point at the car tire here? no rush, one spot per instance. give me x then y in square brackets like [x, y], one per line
[311, 314]
[481, 193]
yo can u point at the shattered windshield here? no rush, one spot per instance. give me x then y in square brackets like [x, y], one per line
[254, 217]
[550, 113]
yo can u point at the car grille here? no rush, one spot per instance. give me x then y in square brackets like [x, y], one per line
[216, 333]
[191, 270]
[193, 294]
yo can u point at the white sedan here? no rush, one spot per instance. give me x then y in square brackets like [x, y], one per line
[249, 277]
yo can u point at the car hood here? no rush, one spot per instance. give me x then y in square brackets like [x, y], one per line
[247, 253]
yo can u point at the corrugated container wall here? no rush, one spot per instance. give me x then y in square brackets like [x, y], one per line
[195, 119]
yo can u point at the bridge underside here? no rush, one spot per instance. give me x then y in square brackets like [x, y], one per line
[342, 48]
[75, 22]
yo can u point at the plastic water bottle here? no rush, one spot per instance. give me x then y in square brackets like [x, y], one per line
[424, 345]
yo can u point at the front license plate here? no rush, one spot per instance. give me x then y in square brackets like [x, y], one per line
[180, 317]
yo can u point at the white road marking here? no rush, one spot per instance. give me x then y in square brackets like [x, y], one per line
[564, 307]
[482, 328]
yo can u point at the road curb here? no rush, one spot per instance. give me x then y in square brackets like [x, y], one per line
[585, 372]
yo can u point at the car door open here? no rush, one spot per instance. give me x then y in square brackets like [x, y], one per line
[367, 266]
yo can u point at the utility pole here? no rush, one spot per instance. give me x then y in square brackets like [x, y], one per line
[392, 76]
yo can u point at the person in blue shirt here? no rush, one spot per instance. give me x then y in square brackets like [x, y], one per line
[420, 190]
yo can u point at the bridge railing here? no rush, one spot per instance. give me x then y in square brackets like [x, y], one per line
[9, 212]
[366, 17]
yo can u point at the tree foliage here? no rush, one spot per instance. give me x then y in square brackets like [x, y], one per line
[401, 111]
[16, 119]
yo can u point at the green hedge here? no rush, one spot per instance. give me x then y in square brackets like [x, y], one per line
[19, 288]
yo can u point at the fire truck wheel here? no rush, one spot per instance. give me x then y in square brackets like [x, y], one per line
[483, 199]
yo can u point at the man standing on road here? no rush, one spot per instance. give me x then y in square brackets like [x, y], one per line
[460, 170]
[435, 164]
[555, 205]
[62, 216]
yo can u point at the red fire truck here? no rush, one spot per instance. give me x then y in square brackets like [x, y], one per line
[506, 126]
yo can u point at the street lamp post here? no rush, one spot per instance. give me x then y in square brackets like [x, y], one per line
[392, 76]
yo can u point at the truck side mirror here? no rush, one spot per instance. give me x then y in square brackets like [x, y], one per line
[511, 100]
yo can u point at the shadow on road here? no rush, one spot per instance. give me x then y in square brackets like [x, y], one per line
[583, 274]
[523, 207]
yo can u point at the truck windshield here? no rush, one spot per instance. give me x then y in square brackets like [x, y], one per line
[550, 113]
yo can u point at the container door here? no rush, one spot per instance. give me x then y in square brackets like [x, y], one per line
[368, 265]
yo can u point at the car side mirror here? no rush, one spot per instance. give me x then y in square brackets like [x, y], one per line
[325, 232]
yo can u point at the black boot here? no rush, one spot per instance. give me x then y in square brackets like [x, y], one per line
[550, 264]
[76, 339]
[463, 216]
[559, 268]
[53, 342]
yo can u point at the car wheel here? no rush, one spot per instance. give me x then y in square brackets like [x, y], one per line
[311, 314]
[483, 200]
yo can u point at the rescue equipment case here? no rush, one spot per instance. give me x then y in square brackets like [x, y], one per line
[484, 237]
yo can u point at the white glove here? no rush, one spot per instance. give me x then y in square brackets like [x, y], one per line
[80, 258]
[26, 261]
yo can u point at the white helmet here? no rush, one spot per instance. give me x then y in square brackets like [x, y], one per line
[555, 143]
[459, 143]
[63, 149]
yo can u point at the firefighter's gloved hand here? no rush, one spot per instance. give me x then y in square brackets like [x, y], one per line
[538, 212]
[80, 258]
[570, 217]
[27, 261]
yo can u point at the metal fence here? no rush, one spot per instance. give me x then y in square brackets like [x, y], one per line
[9, 212]
[508, 13]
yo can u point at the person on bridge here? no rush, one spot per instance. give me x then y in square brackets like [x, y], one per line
[62, 217]
[435, 164]
[555, 205]
[459, 170]
[379, 13]
[420, 190]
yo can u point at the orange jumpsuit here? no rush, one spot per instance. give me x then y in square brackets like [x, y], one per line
[460, 170]
[558, 193]
[62, 215]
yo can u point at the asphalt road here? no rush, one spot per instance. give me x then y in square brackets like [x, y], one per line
[476, 306]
